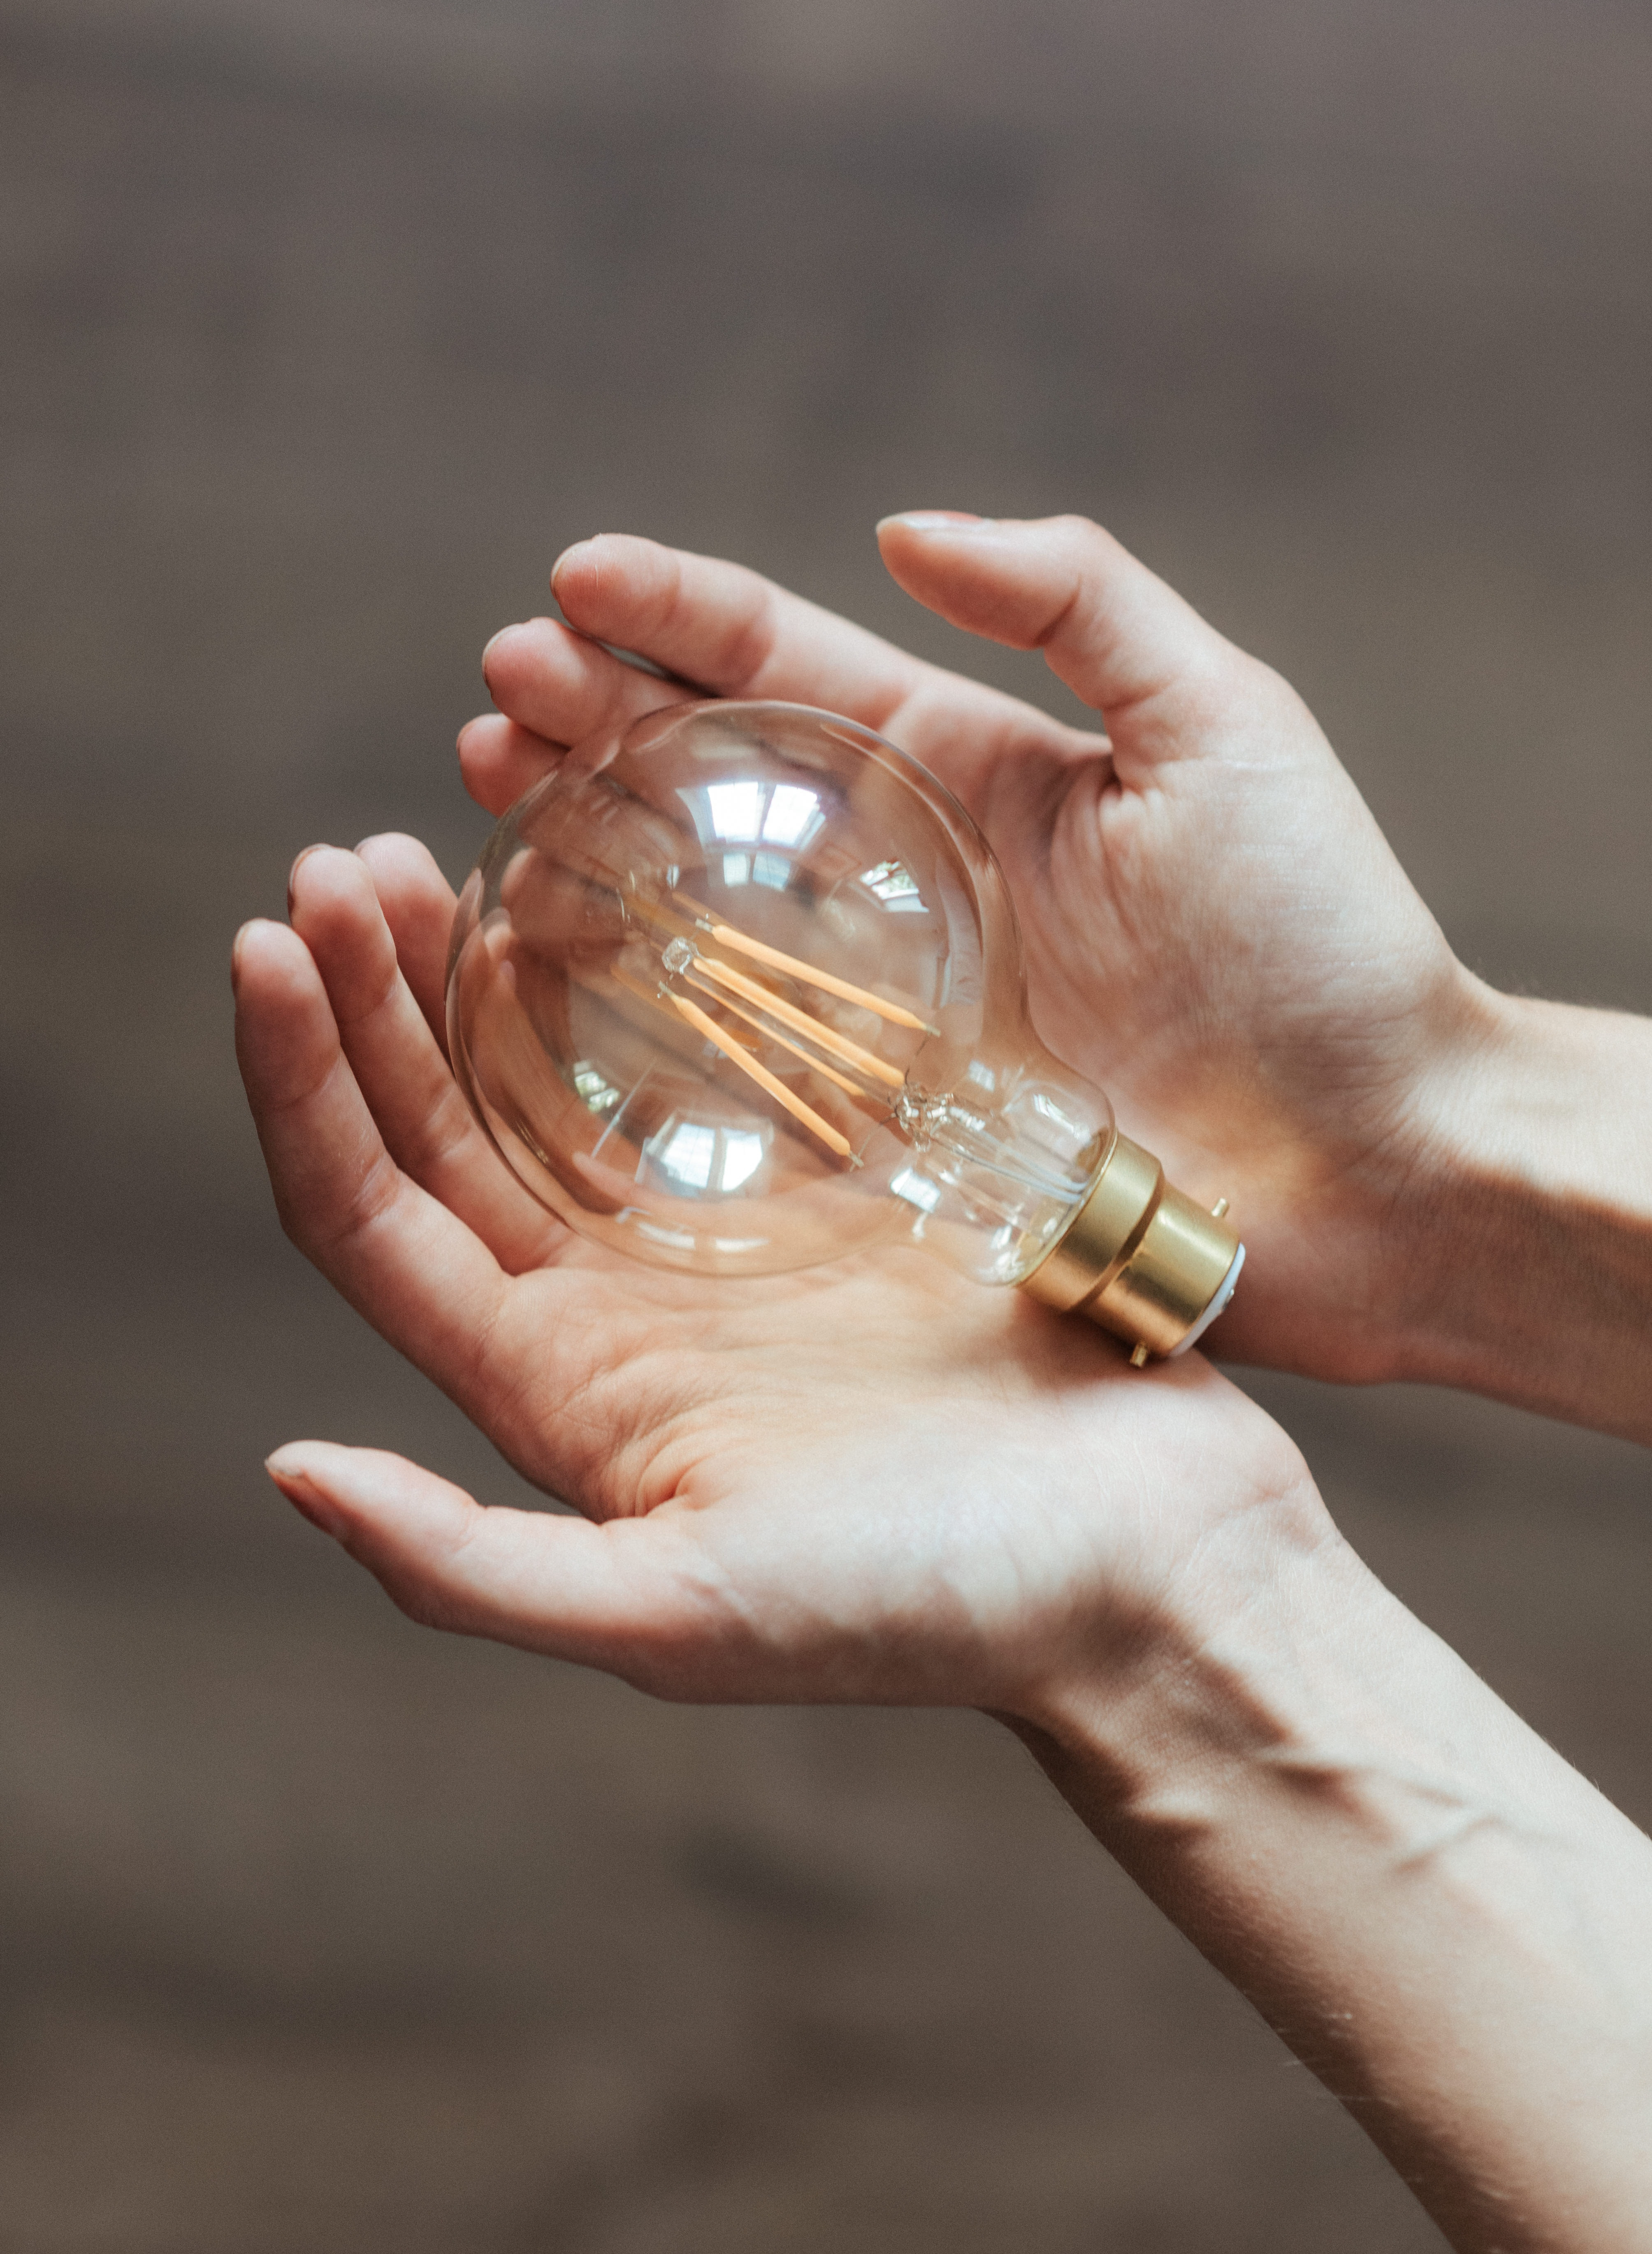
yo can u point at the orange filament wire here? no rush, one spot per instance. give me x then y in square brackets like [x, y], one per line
[749, 1017]
[836, 1044]
[728, 936]
[777, 1088]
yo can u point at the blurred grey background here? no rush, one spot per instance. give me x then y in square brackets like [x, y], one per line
[326, 325]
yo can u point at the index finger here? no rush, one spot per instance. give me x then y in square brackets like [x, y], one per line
[731, 631]
[421, 1276]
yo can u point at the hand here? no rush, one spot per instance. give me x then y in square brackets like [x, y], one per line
[871, 1482]
[1215, 930]
[868, 1482]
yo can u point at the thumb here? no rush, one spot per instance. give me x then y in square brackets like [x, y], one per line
[1116, 634]
[610, 1596]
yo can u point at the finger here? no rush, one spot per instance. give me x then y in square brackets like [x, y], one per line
[564, 687]
[1117, 635]
[615, 1596]
[420, 1277]
[418, 905]
[499, 761]
[738, 635]
[401, 1074]
[729, 629]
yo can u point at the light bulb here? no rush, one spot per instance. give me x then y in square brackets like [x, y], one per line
[742, 991]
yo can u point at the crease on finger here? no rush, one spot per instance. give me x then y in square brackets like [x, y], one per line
[371, 1201]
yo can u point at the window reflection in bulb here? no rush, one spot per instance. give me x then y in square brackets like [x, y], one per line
[743, 991]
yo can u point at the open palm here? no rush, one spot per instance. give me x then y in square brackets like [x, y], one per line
[871, 1481]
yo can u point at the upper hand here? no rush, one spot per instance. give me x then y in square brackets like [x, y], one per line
[1215, 928]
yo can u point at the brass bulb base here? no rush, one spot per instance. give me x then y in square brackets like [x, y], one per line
[1140, 1259]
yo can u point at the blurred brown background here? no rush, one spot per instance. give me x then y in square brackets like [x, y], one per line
[328, 324]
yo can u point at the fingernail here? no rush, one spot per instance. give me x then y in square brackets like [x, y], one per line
[234, 956]
[292, 873]
[493, 642]
[572, 550]
[304, 1495]
[936, 520]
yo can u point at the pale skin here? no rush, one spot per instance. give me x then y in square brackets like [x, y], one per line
[872, 1482]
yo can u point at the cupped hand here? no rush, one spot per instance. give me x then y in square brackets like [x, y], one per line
[1215, 928]
[866, 1482]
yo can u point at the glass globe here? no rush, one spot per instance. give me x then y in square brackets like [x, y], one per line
[742, 991]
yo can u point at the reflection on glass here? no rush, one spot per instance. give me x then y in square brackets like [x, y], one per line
[744, 991]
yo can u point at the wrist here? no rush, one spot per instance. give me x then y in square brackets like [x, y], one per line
[1520, 1232]
[1441, 1918]
[1208, 1687]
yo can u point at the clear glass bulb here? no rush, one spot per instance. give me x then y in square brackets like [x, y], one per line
[743, 990]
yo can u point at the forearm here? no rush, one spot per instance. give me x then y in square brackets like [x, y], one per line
[1443, 1920]
[1522, 1235]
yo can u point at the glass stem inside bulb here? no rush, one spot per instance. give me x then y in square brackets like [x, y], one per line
[998, 1187]
[974, 1141]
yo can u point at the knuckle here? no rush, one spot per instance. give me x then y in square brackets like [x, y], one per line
[443, 1133]
[361, 1207]
[424, 1605]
